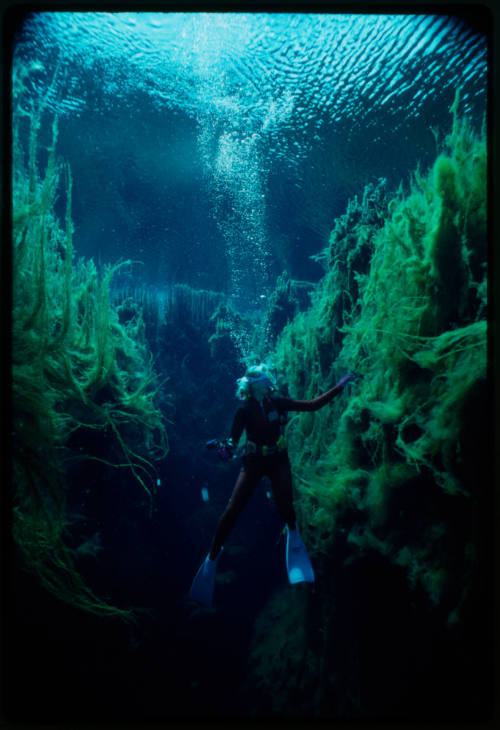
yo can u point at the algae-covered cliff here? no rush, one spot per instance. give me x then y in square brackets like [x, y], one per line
[83, 384]
[392, 481]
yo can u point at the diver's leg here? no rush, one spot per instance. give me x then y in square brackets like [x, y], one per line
[298, 564]
[281, 482]
[245, 484]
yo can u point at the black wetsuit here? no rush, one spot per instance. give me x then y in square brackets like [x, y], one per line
[263, 426]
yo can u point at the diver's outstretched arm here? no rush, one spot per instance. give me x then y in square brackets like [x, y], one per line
[291, 404]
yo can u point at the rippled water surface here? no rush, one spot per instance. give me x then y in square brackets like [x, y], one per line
[279, 69]
[275, 119]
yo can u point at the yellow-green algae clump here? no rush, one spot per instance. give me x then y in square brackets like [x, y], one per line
[75, 365]
[403, 304]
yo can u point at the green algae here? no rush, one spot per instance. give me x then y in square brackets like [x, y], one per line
[390, 476]
[403, 304]
[77, 365]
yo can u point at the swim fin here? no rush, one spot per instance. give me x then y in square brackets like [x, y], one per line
[298, 565]
[202, 587]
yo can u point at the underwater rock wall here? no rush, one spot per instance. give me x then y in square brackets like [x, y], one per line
[80, 366]
[392, 478]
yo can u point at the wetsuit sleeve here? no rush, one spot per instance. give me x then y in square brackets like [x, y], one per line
[238, 426]
[291, 404]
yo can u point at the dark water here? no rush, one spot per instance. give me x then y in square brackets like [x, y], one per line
[216, 151]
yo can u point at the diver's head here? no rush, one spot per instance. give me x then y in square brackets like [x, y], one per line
[257, 382]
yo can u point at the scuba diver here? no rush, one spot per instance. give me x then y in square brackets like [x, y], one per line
[263, 417]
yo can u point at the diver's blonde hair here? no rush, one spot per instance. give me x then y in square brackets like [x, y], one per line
[244, 389]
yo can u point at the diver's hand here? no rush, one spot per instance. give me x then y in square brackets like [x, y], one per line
[225, 449]
[345, 380]
[223, 453]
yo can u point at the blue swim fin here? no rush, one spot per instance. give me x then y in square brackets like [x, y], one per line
[202, 587]
[298, 564]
